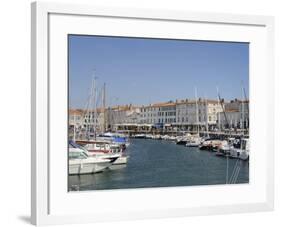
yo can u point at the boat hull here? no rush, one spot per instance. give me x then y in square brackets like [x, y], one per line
[192, 144]
[77, 168]
[238, 153]
[121, 160]
[182, 142]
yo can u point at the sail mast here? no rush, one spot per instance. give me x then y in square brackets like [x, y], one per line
[247, 110]
[95, 107]
[242, 106]
[207, 123]
[89, 111]
[219, 120]
[197, 118]
[74, 128]
[104, 108]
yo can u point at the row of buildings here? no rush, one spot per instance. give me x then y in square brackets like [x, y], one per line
[179, 115]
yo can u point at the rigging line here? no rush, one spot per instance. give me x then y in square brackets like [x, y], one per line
[99, 97]
[84, 118]
[235, 166]
[233, 171]
[222, 106]
[227, 166]
[234, 179]
[238, 171]
[236, 175]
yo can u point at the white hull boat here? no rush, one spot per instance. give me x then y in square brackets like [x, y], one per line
[88, 166]
[121, 160]
[81, 163]
[193, 142]
[239, 153]
[117, 158]
[242, 152]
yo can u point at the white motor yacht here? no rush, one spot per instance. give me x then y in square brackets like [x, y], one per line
[81, 163]
[106, 149]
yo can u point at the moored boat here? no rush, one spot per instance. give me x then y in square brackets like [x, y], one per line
[81, 163]
[193, 142]
[242, 152]
[105, 149]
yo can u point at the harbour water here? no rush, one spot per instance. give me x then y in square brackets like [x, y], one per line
[159, 163]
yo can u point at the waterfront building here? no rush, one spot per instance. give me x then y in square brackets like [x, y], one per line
[191, 115]
[86, 120]
[158, 114]
[119, 116]
[236, 115]
[75, 117]
[179, 115]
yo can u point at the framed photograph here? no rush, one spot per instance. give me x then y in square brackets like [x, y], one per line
[149, 114]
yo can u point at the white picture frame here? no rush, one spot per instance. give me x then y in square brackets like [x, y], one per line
[51, 203]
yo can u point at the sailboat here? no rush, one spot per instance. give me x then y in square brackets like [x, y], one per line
[101, 145]
[195, 140]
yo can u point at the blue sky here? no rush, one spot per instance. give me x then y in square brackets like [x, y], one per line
[142, 71]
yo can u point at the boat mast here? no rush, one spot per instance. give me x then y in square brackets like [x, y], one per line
[219, 118]
[84, 121]
[74, 128]
[242, 106]
[95, 108]
[88, 115]
[223, 110]
[245, 97]
[207, 123]
[104, 109]
[197, 118]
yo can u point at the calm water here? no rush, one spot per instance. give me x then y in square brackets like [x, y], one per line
[157, 163]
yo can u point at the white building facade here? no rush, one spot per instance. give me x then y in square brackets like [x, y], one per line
[181, 115]
[236, 115]
[190, 113]
[158, 114]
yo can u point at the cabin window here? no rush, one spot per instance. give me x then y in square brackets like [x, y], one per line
[77, 155]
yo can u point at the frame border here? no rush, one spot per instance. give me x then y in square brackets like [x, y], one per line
[40, 213]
